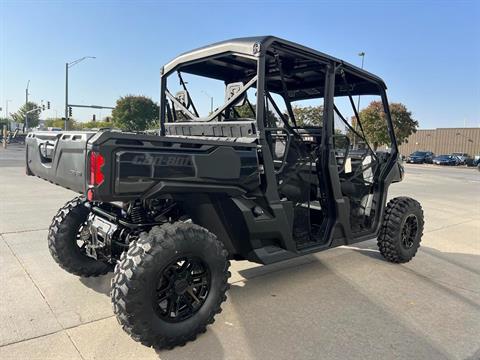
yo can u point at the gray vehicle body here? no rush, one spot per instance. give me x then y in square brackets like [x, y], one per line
[223, 174]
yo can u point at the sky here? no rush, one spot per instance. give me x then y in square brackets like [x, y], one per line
[427, 52]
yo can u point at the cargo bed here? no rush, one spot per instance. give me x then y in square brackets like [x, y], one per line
[134, 164]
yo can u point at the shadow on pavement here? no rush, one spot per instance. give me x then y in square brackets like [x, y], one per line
[99, 284]
[304, 309]
[460, 260]
[306, 312]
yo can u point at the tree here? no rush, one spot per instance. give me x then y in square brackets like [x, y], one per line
[33, 117]
[134, 113]
[308, 115]
[375, 126]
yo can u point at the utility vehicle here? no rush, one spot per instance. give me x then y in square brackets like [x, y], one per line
[256, 176]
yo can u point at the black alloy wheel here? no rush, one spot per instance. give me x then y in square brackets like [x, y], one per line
[182, 289]
[402, 230]
[409, 231]
[170, 283]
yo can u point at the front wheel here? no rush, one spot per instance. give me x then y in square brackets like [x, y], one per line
[402, 230]
[170, 284]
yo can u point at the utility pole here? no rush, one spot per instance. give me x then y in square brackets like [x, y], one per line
[67, 66]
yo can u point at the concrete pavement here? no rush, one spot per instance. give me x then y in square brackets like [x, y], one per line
[340, 304]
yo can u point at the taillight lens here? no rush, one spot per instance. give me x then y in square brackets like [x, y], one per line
[96, 163]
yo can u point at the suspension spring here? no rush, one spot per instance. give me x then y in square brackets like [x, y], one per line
[138, 214]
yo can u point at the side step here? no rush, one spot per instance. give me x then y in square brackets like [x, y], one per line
[270, 254]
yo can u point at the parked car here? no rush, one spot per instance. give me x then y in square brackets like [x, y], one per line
[472, 160]
[420, 157]
[476, 160]
[445, 160]
[463, 158]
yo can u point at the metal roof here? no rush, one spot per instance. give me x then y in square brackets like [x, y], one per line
[250, 46]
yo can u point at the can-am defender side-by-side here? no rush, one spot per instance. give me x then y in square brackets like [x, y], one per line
[250, 179]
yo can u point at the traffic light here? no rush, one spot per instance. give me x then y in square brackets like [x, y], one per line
[70, 111]
[48, 105]
[43, 107]
[93, 117]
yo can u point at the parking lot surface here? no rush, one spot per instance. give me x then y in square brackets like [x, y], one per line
[344, 303]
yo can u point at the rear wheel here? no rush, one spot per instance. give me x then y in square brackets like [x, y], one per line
[170, 284]
[402, 230]
[67, 239]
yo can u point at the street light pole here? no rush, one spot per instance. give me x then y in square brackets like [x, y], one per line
[6, 113]
[211, 100]
[6, 108]
[26, 106]
[66, 94]
[67, 66]
[362, 54]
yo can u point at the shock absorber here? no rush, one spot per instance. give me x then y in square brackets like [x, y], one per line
[137, 213]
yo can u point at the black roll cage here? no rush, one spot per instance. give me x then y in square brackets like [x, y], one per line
[338, 78]
[270, 46]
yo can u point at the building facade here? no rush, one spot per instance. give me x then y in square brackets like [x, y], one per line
[444, 141]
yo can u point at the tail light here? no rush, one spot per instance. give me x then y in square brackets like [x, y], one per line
[96, 162]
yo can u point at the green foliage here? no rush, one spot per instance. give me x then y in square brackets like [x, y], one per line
[95, 124]
[60, 123]
[308, 115]
[244, 111]
[375, 126]
[33, 117]
[134, 113]
[4, 121]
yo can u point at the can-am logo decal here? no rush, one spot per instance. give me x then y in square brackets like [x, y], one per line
[163, 160]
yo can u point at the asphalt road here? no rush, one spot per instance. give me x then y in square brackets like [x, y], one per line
[344, 303]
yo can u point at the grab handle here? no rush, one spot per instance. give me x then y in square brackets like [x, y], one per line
[46, 150]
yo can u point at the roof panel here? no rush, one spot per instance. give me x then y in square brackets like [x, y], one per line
[249, 46]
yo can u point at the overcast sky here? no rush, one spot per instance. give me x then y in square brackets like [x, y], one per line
[428, 52]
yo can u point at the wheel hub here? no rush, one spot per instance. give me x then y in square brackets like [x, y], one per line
[181, 286]
[409, 231]
[182, 289]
